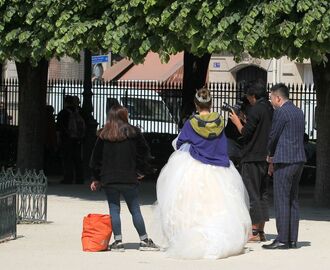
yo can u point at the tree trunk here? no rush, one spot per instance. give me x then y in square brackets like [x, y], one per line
[194, 77]
[1, 72]
[321, 73]
[32, 105]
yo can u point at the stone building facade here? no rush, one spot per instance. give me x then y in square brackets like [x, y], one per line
[222, 68]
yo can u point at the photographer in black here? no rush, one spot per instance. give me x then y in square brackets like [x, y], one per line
[254, 168]
[234, 140]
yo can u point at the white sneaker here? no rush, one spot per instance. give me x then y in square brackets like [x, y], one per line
[148, 245]
[117, 246]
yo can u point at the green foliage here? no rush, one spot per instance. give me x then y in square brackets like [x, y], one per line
[36, 29]
[167, 27]
[264, 28]
[297, 28]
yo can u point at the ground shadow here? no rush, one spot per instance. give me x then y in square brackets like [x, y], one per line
[131, 245]
[308, 209]
[147, 192]
[302, 244]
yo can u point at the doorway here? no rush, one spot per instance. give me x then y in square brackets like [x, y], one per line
[251, 73]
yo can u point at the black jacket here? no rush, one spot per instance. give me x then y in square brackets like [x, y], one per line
[119, 162]
[256, 131]
[62, 124]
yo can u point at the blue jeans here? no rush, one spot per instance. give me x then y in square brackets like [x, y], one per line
[130, 194]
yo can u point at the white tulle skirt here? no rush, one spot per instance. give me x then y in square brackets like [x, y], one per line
[202, 211]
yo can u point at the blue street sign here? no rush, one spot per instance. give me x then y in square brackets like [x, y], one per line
[100, 59]
[216, 64]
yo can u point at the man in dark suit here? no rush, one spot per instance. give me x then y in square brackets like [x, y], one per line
[286, 158]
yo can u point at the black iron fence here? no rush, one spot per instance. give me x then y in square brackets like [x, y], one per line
[8, 216]
[9, 100]
[23, 199]
[31, 196]
[153, 106]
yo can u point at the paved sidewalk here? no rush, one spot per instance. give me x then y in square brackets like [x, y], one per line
[57, 245]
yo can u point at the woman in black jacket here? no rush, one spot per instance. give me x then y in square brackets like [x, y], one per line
[117, 162]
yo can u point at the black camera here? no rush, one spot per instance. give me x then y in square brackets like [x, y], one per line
[236, 108]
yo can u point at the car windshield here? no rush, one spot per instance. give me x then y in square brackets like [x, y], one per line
[147, 109]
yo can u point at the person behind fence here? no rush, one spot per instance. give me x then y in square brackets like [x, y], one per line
[118, 162]
[77, 105]
[50, 146]
[253, 164]
[4, 117]
[71, 128]
[286, 156]
[202, 204]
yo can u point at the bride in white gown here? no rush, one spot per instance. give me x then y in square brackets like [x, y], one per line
[202, 207]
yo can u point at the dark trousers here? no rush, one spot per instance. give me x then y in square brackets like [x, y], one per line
[255, 178]
[130, 194]
[72, 161]
[286, 187]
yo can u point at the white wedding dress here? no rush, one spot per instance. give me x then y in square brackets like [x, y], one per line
[202, 211]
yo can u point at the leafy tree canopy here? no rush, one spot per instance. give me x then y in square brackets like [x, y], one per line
[45, 28]
[36, 29]
[299, 29]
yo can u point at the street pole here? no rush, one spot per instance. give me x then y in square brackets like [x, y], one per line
[87, 108]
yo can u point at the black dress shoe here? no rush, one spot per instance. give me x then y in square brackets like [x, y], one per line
[276, 245]
[292, 244]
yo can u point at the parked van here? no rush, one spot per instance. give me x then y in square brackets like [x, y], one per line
[146, 108]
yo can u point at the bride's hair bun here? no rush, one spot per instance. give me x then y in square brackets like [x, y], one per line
[203, 98]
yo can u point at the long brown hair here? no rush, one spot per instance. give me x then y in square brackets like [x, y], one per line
[117, 127]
